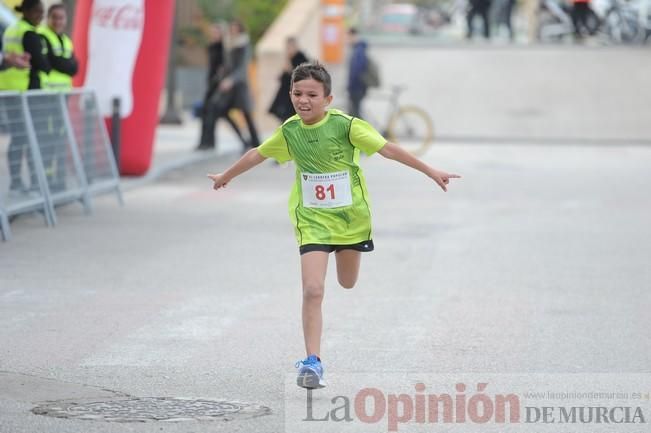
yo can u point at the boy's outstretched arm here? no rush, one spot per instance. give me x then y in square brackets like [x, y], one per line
[397, 153]
[249, 160]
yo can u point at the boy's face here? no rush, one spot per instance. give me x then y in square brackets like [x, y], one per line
[309, 100]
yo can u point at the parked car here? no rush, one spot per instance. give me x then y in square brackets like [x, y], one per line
[399, 18]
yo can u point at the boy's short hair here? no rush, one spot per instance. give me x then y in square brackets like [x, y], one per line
[315, 71]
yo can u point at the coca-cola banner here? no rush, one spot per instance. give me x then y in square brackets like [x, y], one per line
[123, 47]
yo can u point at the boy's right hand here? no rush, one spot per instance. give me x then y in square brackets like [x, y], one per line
[219, 180]
[442, 178]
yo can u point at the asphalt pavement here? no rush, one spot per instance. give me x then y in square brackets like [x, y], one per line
[535, 262]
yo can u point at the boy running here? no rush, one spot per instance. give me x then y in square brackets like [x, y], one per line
[329, 203]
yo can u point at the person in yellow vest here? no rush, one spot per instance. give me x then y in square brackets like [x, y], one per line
[60, 52]
[18, 39]
[64, 67]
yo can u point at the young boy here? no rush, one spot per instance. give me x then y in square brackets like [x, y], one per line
[329, 202]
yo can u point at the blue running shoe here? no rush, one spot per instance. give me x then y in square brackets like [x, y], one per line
[310, 373]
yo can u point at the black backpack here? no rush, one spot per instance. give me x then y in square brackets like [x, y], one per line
[371, 76]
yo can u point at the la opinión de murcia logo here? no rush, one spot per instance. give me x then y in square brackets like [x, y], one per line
[126, 17]
[373, 406]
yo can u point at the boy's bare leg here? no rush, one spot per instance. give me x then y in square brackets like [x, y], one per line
[348, 267]
[313, 270]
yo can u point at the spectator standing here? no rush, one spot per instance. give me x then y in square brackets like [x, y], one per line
[357, 65]
[64, 66]
[60, 52]
[19, 39]
[281, 107]
[233, 88]
[213, 102]
[581, 13]
[481, 8]
[504, 16]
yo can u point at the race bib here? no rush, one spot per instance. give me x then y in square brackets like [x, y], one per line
[326, 190]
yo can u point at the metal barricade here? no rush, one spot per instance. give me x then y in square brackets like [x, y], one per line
[57, 150]
[89, 130]
[23, 187]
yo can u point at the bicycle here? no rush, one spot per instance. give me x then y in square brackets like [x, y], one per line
[614, 21]
[620, 22]
[408, 126]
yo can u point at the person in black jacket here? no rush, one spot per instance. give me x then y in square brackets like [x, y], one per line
[215, 59]
[35, 49]
[357, 67]
[282, 107]
[233, 89]
[33, 43]
[216, 71]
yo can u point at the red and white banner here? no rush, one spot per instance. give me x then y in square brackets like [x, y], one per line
[123, 48]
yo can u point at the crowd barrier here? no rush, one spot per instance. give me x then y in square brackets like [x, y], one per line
[56, 151]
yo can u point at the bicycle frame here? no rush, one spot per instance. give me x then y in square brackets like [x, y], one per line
[393, 100]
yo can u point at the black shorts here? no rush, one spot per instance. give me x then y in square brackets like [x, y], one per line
[364, 246]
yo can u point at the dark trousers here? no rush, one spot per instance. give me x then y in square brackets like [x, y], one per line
[212, 111]
[506, 15]
[580, 14]
[355, 104]
[254, 141]
[481, 8]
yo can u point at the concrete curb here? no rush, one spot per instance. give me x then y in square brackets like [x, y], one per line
[128, 184]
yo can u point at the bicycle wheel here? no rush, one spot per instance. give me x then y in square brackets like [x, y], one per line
[621, 26]
[412, 129]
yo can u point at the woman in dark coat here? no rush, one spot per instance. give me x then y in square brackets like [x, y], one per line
[213, 101]
[233, 88]
[282, 107]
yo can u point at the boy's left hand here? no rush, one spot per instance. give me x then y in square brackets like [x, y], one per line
[443, 178]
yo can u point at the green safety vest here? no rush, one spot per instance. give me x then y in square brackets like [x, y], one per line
[58, 80]
[12, 42]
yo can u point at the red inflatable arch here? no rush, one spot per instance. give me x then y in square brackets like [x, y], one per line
[123, 48]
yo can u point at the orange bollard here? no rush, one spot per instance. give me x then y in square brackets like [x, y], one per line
[332, 31]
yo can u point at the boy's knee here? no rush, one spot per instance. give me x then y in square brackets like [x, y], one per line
[313, 291]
